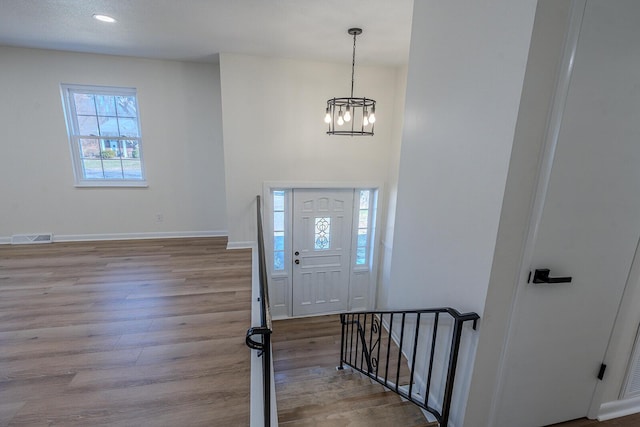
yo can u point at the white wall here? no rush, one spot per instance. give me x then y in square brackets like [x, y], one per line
[466, 71]
[389, 221]
[180, 115]
[273, 127]
[463, 93]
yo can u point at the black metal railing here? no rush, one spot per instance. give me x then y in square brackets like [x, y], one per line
[413, 353]
[264, 330]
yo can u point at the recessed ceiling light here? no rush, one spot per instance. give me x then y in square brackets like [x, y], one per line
[104, 18]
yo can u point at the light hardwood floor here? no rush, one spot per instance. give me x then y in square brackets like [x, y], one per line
[151, 333]
[124, 333]
[630, 421]
[311, 392]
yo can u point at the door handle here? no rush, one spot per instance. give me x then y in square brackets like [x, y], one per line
[542, 276]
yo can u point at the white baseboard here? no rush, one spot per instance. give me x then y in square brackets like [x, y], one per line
[128, 236]
[241, 245]
[619, 408]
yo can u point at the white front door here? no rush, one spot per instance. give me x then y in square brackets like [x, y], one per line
[589, 229]
[322, 224]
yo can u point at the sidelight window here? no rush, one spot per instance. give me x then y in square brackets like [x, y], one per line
[278, 230]
[363, 227]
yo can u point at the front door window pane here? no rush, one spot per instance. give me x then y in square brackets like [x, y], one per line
[322, 236]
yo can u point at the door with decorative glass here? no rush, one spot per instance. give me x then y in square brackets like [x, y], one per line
[322, 237]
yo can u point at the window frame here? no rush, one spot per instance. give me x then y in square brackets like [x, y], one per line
[371, 227]
[73, 132]
[285, 232]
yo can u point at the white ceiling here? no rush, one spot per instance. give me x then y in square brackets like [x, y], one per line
[197, 30]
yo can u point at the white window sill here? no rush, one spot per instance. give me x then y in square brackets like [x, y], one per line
[112, 184]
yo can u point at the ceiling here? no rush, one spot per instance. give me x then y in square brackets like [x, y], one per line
[197, 30]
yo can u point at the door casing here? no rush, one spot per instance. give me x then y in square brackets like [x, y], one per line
[280, 283]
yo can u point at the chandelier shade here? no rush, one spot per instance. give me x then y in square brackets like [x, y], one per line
[348, 115]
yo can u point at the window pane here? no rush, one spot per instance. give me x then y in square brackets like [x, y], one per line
[278, 241]
[362, 238]
[126, 106]
[132, 169]
[92, 169]
[84, 103]
[89, 148]
[133, 149]
[278, 200]
[363, 220]
[322, 233]
[88, 125]
[108, 126]
[278, 260]
[106, 105]
[128, 127]
[278, 221]
[364, 199]
[361, 256]
[112, 169]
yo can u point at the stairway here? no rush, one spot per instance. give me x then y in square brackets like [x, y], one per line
[311, 392]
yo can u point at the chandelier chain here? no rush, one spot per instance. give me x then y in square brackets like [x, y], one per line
[353, 62]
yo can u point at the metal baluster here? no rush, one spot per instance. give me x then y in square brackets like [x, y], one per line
[351, 340]
[361, 330]
[379, 345]
[357, 339]
[386, 368]
[342, 343]
[371, 358]
[400, 351]
[433, 349]
[451, 372]
[415, 349]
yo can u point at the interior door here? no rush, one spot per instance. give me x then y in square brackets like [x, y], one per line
[322, 223]
[588, 230]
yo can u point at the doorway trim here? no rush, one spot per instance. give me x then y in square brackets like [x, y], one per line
[269, 186]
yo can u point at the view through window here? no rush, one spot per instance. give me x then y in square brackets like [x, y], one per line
[104, 132]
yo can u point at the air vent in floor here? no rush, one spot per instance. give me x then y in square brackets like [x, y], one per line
[25, 239]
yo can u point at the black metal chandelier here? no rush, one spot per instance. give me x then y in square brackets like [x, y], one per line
[351, 116]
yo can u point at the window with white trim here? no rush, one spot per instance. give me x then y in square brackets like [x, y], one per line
[104, 134]
[278, 230]
[364, 229]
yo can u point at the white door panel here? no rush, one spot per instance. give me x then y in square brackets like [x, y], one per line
[322, 250]
[589, 229]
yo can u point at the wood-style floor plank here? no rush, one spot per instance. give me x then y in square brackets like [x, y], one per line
[123, 333]
[628, 421]
[311, 392]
